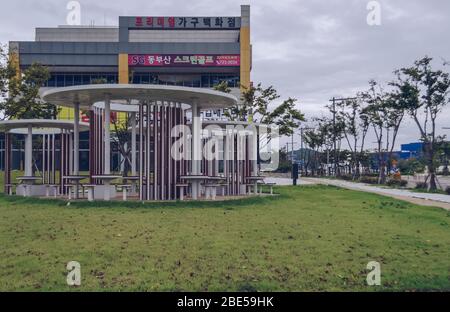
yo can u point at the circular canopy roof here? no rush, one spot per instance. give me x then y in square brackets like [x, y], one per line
[7, 125]
[86, 95]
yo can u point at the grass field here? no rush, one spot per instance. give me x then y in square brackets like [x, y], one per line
[310, 238]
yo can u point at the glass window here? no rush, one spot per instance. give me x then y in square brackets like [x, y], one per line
[52, 81]
[60, 81]
[68, 80]
[77, 80]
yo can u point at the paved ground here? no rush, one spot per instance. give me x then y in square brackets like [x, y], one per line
[426, 199]
[284, 181]
[442, 181]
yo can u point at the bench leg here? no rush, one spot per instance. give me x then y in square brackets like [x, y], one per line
[124, 194]
[90, 194]
[55, 192]
[181, 193]
[271, 190]
[213, 191]
[260, 189]
[207, 192]
[106, 192]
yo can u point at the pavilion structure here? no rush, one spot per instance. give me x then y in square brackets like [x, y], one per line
[173, 153]
[52, 145]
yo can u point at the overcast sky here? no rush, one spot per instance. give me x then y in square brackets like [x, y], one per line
[308, 49]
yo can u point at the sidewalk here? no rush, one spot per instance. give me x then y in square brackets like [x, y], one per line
[425, 199]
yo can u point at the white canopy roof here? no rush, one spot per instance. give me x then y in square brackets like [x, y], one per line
[43, 124]
[87, 95]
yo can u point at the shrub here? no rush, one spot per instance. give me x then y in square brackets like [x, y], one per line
[421, 185]
[346, 177]
[369, 180]
[396, 182]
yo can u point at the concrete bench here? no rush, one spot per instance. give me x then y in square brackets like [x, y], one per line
[72, 188]
[125, 188]
[75, 189]
[9, 188]
[270, 184]
[181, 186]
[211, 190]
[53, 187]
[248, 188]
[90, 191]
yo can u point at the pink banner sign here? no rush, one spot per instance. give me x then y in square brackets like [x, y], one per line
[175, 60]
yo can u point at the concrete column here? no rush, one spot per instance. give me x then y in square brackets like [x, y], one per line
[76, 139]
[196, 148]
[29, 152]
[107, 142]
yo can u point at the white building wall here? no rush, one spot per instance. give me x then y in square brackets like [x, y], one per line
[78, 34]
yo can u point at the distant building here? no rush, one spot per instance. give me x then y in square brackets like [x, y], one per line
[411, 150]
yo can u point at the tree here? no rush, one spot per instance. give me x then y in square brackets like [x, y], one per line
[385, 112]
[423, 93]
[222, 86]
[255, 104]
[315, 139]
[355, 127]
[20, 92]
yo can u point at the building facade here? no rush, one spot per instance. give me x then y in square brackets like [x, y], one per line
[182, 51]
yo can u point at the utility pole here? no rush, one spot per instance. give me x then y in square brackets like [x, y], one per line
[334, 100]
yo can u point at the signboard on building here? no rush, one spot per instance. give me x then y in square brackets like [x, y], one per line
[175, 60]
[171, 22]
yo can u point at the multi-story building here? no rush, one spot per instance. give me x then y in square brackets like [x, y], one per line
[183, 51]
[171, 50]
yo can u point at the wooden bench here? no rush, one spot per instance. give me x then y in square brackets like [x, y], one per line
[125, 188]
[54, 187]
[181, 186]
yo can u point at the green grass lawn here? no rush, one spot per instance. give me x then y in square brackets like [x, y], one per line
[310, 238]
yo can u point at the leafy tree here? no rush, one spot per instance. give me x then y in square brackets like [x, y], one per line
[385, 112]
[255, 104]
[20, 92]
[423, 93]
[315, 139]
[355, 127]
[222, 86]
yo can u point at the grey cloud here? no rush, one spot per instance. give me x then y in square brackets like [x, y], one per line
[308, 49]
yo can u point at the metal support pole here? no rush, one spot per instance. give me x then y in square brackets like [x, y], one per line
[29, 152]
[107, 141]
[196, 148]
[76, 139]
